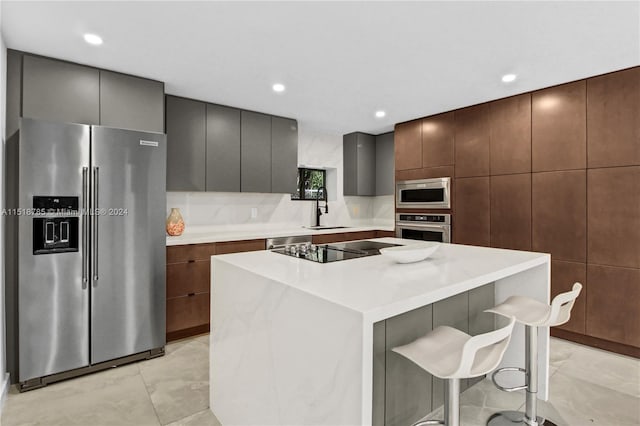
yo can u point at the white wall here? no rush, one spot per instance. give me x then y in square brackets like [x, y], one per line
[315, 149]
[4, 378]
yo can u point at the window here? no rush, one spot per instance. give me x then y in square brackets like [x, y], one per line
[309, 181]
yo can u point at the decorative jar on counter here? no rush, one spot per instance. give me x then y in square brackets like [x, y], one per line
[175, 223]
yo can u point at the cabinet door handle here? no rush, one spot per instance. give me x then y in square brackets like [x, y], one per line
[191, 294]
[191, 261]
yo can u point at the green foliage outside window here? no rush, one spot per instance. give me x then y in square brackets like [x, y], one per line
[309, 181]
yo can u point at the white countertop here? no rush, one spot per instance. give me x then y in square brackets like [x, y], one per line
[214, 234]
[379, 288]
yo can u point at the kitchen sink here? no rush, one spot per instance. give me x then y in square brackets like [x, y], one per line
[326, 227]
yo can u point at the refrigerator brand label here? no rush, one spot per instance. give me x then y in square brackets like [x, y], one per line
[148, 143]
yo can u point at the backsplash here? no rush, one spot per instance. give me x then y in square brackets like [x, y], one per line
[315, 149]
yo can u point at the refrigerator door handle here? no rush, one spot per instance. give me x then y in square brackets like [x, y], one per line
[85, 227]
[94, 223]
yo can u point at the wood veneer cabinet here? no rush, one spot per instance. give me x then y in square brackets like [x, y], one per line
[408, 145]
[344, 236]
[189, 284]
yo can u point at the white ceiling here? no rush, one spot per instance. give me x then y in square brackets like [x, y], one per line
[340, 61]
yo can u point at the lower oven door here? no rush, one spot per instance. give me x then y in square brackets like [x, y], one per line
[440, 233]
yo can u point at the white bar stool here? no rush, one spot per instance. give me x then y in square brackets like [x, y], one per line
[532, 314]
[451, 354]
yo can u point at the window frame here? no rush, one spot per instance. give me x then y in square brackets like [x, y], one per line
[301, 191]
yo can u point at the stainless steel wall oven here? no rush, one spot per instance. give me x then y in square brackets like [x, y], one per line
[424, 226]
[424, 193]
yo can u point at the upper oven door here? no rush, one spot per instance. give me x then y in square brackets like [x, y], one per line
[424, 193]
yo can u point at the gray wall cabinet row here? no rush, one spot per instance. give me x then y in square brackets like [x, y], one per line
[403, 393]
[368, 163]
[54, 90]
[218, 148]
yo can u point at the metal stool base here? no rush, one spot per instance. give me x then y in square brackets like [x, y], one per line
[511, 418]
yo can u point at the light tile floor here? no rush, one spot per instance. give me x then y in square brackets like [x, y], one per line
[588, 387]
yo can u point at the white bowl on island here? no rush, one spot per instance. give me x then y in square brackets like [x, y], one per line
[411, 252]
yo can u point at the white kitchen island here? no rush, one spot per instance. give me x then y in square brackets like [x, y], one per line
[292, 340]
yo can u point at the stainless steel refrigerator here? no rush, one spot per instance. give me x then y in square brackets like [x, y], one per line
[86, 249]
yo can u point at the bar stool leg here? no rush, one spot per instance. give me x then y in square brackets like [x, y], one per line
[530, 416]
[452, 402]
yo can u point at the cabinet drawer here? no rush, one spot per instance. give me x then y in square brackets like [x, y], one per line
[328, 238]
[240, 246]
[188, 252]
[185, 278]
[363, 235]
[186, 312]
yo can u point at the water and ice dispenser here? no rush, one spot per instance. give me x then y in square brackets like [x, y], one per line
[56, 227]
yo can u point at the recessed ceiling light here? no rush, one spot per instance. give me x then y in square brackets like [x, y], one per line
[508, 78]
[96, 40]
[380, 114]
[278, 87]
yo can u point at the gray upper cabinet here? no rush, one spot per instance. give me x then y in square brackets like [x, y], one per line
[60, 91]
[359, 156]
[385, 164]
[129, 102]
[186, 150]
[255, 152]
[284, 155]
[223, 149]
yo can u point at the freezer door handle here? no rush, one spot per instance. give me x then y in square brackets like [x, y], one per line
[94, 223]
[85, 227]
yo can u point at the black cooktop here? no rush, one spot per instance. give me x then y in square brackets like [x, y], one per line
[326, 253]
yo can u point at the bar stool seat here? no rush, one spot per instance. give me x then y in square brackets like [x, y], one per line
[451, 354]
[532, 314]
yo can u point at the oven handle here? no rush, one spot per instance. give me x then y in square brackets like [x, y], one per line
[412, 225]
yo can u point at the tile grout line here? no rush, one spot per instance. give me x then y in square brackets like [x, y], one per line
[146, 388]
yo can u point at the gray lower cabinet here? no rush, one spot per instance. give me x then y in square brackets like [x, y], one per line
[359, 163]
[284, 155]
[129, 102]
[379, 361]
[60, 91]
[403, 392]
[452, 312]
[186, 150]
[481, 299]
[385, 164]
[223, 149]
[255, 151]
[407, 386]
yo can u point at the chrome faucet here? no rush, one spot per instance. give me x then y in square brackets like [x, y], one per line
[326, 204]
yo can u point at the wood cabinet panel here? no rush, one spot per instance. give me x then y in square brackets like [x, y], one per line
[613, 216]
[382, 234]
[361, 235]
[472, 218]
[187, 252]
[188, 278]
[613, 119]
[425, 173]
[563, 276]
[472, 136]
[343, 236]
[187, 312]
[511, 211]
[563, 235]
[510, 124]
[408, 145]
[240, 246]
[437, 140]
[612, 304]
[558, 128]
